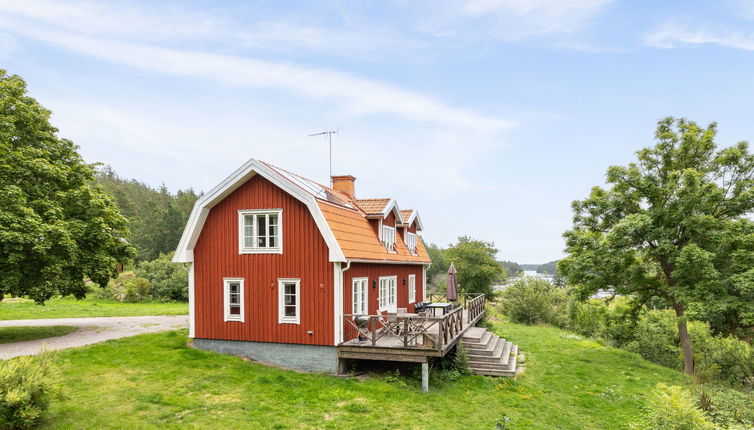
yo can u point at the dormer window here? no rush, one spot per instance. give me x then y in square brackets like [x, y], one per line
[260, 231]
[388, 237]
[411, 242]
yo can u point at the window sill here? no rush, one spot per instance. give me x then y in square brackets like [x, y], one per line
[260, 251]
[233, 320]
[289, 322]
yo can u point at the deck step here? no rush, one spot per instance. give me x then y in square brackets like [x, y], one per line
[481, 342]
[491, 355]
[487, 349]
[474, 334]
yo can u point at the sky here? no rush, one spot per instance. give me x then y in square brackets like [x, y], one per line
[487, 116]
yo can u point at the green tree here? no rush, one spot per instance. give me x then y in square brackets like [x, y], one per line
[156, 217]
[512, 268]
[671, 227]
[476, 265]
[55, 226]
[437, 255]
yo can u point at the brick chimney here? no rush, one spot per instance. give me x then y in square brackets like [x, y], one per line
[344, 184]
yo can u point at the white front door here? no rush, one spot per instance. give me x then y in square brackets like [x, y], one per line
[387, 298]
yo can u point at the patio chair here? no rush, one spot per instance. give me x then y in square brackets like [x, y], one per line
[389, 322]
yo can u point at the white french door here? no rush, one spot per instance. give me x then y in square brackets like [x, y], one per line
[387, 298]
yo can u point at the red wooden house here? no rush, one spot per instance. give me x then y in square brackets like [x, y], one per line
[279, 263]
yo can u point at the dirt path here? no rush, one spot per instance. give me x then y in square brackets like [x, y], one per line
[90, 330]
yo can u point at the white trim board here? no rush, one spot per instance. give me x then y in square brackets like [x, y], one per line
[184, 251]
[226, 304]
[282, 318]
[192, 302]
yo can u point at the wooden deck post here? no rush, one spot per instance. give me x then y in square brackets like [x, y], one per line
[425, 377]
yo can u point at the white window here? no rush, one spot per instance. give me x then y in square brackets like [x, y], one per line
[386, 299]
[411, 288]
[289, 301]
[260, 231]
[411, 242]
[388, 237]
[233, 299]
[359, 296]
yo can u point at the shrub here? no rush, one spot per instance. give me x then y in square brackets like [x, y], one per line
[656, 339]
[27, 386]
[454, 364]
[135, 290]
[672, 408]
[168, 281]
[535, 301]
[587, 318]
[726, 407]
[720, 358]
[126, 288]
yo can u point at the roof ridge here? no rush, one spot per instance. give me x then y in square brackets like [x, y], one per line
[296, 175]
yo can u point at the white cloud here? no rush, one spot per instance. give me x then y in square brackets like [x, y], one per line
[356, 96]
[162, 23]
[671, 35]
[8, 45]
[515, 19]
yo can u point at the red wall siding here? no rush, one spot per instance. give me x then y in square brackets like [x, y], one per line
[373, 272]
[389, 219]
[305, 256]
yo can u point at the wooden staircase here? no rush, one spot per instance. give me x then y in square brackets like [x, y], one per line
[490, 355]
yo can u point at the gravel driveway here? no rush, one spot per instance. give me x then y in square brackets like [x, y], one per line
[90, 330]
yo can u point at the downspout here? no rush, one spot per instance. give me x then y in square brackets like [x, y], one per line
[339, 311]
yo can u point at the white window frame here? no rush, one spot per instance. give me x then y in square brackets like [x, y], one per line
[411, 242]
[226, 299]
[242, 248]
[360, 307]
[383, 300]
[282, 318]
[411, 288]
[388, 237]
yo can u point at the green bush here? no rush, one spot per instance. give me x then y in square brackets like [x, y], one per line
[672, 408]
[656, 339]
[720, 358]
[168, 281]
[535, 301]
[27, 386]
[727, 408]
[588, 318]
[126, 288]
[136, 290]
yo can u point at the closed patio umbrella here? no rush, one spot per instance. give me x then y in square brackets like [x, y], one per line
[452, 291]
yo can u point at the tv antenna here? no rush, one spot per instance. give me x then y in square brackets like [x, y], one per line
[329, 134]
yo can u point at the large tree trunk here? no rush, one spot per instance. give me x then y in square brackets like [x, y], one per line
[685, 340]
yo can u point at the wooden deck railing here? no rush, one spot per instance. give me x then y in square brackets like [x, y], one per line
[475, 306]
[395, 330]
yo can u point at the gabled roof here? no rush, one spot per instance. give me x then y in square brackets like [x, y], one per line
[341, 220]
[409, 215]
[358, 240]
[184, 253]
[372, 206]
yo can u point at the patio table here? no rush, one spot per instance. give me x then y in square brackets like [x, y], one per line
[434, 306]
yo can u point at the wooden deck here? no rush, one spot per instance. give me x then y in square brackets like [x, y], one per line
[409, 338]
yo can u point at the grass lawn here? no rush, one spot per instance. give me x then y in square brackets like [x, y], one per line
[155, 380]
[22, 334]
[68, 307]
